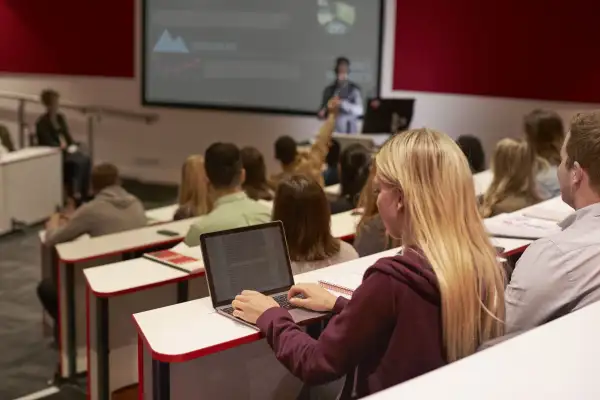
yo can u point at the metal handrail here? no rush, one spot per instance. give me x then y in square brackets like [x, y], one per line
[93, 112]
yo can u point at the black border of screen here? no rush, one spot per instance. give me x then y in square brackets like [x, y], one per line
[260, 110]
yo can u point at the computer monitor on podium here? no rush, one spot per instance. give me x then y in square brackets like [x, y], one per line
[388, 115]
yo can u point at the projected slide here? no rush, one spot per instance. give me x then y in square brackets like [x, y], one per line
[257, 54]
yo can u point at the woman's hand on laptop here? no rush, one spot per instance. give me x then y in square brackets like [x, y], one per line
[312, 297]
[250, 305]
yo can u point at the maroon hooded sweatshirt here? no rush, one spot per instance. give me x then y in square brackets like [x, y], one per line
[389, 332]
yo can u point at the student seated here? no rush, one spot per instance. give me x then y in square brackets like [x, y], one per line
[112, 210]
[232, 207]
[433, 303]
[311, 162]
[473, 149]
[545, 134]
[354, 172]
[513, 186]
[331, 175]
[255, 185]
[560, 273]
[52, 130]
[301, 204]
[194, 199]
[371, 236]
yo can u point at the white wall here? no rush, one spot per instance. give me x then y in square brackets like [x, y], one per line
[155, 152]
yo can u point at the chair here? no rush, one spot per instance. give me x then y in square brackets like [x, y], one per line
[5, 139]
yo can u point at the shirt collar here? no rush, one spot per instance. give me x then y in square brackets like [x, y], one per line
[230, 198]
[590, 211]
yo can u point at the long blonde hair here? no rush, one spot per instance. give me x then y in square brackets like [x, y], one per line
[513, 165]
[193, 191]
[444, 223]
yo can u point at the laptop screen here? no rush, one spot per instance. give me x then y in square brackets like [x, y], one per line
[253, 258]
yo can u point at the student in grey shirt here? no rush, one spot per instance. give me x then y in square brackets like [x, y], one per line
[561, 273]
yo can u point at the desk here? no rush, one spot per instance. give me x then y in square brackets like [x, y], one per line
[343, 225]
[333, 190]
[161, 214]
[30, 186]
[187, 346]
[115, 292]
[74, 257]
[556, 361]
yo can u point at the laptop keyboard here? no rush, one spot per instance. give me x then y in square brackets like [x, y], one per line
[281, 299]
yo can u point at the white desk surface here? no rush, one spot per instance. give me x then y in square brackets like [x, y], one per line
[129, 276]
[189, 330]
[105, 245]
[556, 361]
[26, 153]
[193, 329]
[482, 181]
[343, 225]
[333, 189]
[511, 246]
[161, 214]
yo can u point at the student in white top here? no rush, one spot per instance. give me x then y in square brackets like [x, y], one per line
[561, 273]
[302, 206]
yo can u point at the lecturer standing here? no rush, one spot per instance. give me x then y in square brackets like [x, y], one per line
[351, 106]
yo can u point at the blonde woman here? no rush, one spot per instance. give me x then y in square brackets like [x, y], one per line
[433, 303]
[513, 186]
[194, 199]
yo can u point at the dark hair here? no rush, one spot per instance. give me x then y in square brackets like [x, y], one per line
[545, 134]
[103, 176]
[472, 148]
[255, 185]
[47, 96]
[286, 150]
[301, 204]
[333, 156]
[355, 164]
[223, 164]
[341, 61]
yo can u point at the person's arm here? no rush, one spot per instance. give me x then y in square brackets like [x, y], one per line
[79, 224]
[354, 106]
[65, 129]
[348, 338]
[539, 287]
[192, 238]
[318, 151]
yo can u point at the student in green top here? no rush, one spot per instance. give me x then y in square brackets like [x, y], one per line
[232, 208]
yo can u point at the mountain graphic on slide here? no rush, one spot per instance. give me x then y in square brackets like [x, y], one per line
[170, 44]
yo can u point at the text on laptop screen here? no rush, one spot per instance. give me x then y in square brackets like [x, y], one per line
[253, 260]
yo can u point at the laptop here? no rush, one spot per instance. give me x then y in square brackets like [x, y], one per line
[250, 258]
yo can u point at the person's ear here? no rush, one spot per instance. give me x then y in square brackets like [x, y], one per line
[400, 205]
[576, 174]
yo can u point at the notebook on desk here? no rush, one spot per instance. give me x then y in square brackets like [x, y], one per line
[181, 257]
[343, 285]
[250, 258]
[520, 226]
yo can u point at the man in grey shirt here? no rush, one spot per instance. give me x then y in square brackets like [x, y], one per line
[561, 273]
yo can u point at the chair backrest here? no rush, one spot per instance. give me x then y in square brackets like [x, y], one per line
[5, 139]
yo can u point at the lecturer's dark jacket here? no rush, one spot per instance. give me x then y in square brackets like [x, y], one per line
[344, 92]
[48, 135]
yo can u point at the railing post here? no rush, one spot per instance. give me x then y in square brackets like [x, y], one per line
[90, 136]
[22, 123]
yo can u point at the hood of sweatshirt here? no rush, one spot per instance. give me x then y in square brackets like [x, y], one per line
[411, 268]
[117, 196]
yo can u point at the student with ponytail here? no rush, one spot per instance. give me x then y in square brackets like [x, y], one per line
[435, 302]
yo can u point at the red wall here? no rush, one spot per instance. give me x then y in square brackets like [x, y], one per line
[67, 37]
[538, 49]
